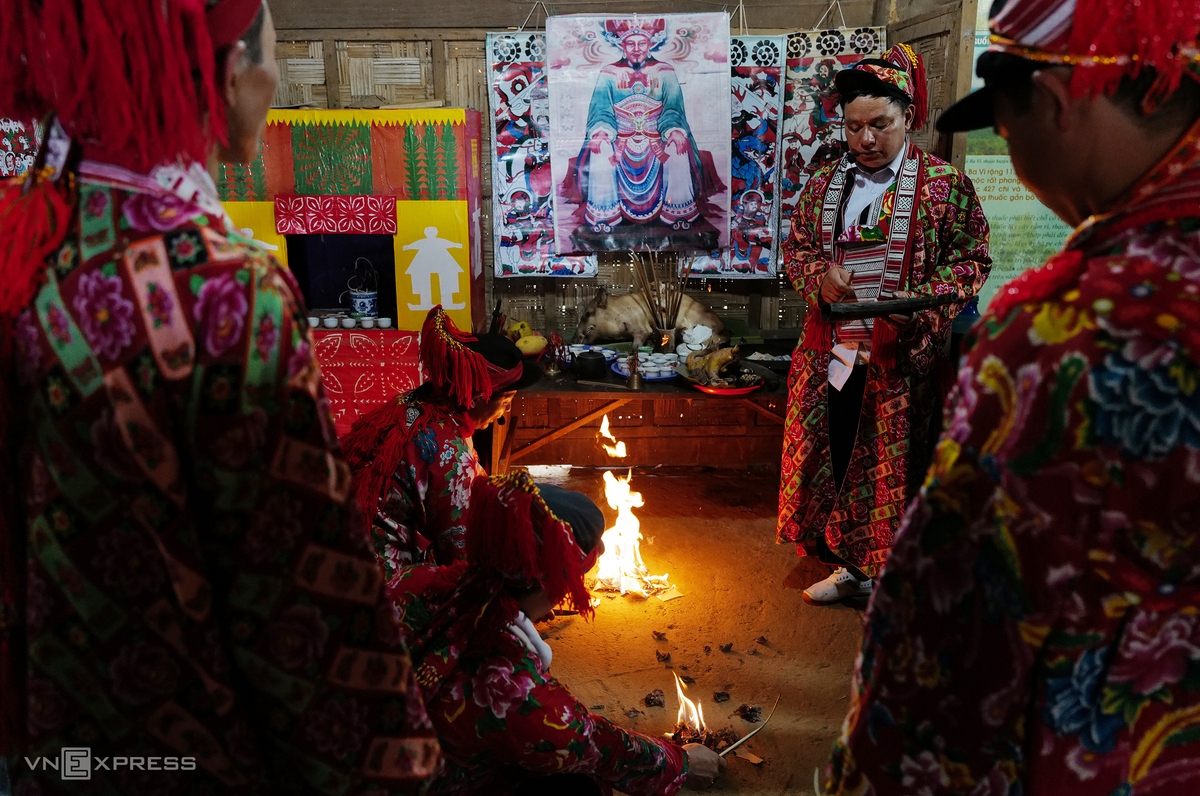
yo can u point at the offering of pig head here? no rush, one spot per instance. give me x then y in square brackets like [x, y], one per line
[609, 318]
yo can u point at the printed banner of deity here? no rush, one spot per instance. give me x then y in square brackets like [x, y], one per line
[639, 131]
[522, 210]
[18, 147]
[812, 118]
[757, 105]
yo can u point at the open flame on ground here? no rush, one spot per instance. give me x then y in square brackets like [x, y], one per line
[621, 568]
[690, 726]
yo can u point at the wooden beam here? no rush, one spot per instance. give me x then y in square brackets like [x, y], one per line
[764, 411]
[560, 432]
[500, 15]
[439, 66]
[333, 94]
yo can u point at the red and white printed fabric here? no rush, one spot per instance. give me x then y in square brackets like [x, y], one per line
[363, 215]
[363, 368]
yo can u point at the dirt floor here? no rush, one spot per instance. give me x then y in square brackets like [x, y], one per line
[713, 532]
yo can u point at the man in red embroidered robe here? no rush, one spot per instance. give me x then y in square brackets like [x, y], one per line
[886, 220]
[1035, 630]
[413, 459]
[187, 594]
[506, 724]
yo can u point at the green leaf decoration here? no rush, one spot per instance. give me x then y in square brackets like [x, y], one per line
[450, 153]
[412, 157]
[430, 151]
[332, 159]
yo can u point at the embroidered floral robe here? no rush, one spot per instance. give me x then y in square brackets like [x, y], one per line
[196, 586]
[1036, 629]
[947, 253]
[501, 717]
[421, 518]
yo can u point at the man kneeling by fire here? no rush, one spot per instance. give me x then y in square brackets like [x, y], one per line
[505, 724]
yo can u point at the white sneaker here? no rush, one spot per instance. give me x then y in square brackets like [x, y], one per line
[837, 587]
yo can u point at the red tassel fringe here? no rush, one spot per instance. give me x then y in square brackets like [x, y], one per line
[133, 81]
[454, 369]
[373, 449]
[818, 335]
[510, 529]
[1152, 32]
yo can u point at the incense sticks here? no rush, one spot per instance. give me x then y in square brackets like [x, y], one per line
[661, 281]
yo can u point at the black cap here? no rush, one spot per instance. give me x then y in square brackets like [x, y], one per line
[974, 111]
[503, 353]
[577, 510]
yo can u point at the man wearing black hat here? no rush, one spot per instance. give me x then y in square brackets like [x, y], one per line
[1035, 630]
[413, 460]
[885, 221]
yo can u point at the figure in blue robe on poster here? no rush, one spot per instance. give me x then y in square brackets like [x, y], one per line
[639, 162]
[433, 257]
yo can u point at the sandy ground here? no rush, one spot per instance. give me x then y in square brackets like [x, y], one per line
[713, 532]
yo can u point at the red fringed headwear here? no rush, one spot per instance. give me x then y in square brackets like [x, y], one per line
[511, 530]
[453, 368]
[1105, 40]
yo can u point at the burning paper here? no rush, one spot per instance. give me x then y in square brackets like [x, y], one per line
[690, 726]
[621, 567]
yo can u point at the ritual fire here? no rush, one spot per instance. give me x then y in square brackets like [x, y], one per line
[690, 726]
[621, 568]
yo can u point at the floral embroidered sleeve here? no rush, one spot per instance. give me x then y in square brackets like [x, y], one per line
[806, 265]
[508, 711]
[962, 264]
[453, 466]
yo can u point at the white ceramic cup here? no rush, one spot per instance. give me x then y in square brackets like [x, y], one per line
[348, 323]
[385, 323]
[330, 322]
[313, 321]
[368, 323]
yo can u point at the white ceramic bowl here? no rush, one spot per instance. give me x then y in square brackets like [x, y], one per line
[671, 358]
[348, 323]
[330, 322]
[368, 323]
[313, 321]
[385, 323]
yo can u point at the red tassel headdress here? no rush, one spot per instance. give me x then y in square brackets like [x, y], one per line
[1105, 40]
[452, 367]
[511, 530]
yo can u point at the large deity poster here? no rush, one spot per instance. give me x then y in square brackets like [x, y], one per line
[639, 132]
[757, 107]
[812, 118]
[522, 211]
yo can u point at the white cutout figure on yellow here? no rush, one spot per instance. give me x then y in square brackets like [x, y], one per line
[433, 257]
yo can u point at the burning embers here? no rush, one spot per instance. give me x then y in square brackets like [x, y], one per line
[621, 568]
[690, 726]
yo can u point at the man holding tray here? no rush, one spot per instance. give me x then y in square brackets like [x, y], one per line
[885, 221]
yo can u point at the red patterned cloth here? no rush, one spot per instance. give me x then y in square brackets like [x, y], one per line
[363, 215]
[363, 368]
[196, 581]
